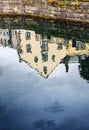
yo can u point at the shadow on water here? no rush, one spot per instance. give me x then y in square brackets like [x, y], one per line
[84, 68]
[61, 29]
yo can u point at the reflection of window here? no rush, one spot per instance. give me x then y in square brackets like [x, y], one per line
[4, 33]
[80, 46]
[44, 46]
[37, 37]
[53, 58]
[59, 46]
[1, 41]
[28, 35]
[74, 43]
[0, 32]
[4, 41]
[13, 32]
[10, 41]
[45, 69]
[45, 57]
[77, 46]
[28, 48]
[48, 37]
[44, 35]
[7, 33]
[36, 59]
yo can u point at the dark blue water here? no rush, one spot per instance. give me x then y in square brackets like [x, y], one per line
[30, 102]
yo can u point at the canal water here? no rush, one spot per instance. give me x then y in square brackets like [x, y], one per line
[44, 75]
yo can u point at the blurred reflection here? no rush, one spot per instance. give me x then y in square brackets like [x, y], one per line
[43, 51]
[55, 108]
[84, 66]
[45, 124]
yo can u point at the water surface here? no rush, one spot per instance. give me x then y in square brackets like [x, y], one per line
[44, 76]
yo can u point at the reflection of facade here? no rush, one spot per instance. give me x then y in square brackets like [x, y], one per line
[8, 38]
[45, 54]
[40, 53]
[77, 47]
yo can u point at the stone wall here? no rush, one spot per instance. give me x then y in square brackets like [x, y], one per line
[46, 11]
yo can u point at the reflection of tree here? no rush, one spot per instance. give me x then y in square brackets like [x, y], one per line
[84, 68]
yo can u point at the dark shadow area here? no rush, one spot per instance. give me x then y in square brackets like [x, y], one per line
[61, 29]
[84, 67]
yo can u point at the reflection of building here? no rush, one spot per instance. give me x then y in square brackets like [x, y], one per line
[77, 47]
[40, 53]
[8, 38]
[43, 52]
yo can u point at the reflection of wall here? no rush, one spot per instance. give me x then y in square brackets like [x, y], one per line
[45, 54]
[5, 37]
[41, 54]
[77, 47]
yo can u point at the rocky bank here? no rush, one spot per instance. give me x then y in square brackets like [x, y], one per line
[44, 10]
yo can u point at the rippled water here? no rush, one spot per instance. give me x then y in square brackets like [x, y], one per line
[44, 79]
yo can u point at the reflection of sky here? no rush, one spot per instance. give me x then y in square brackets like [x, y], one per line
[30, 102]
